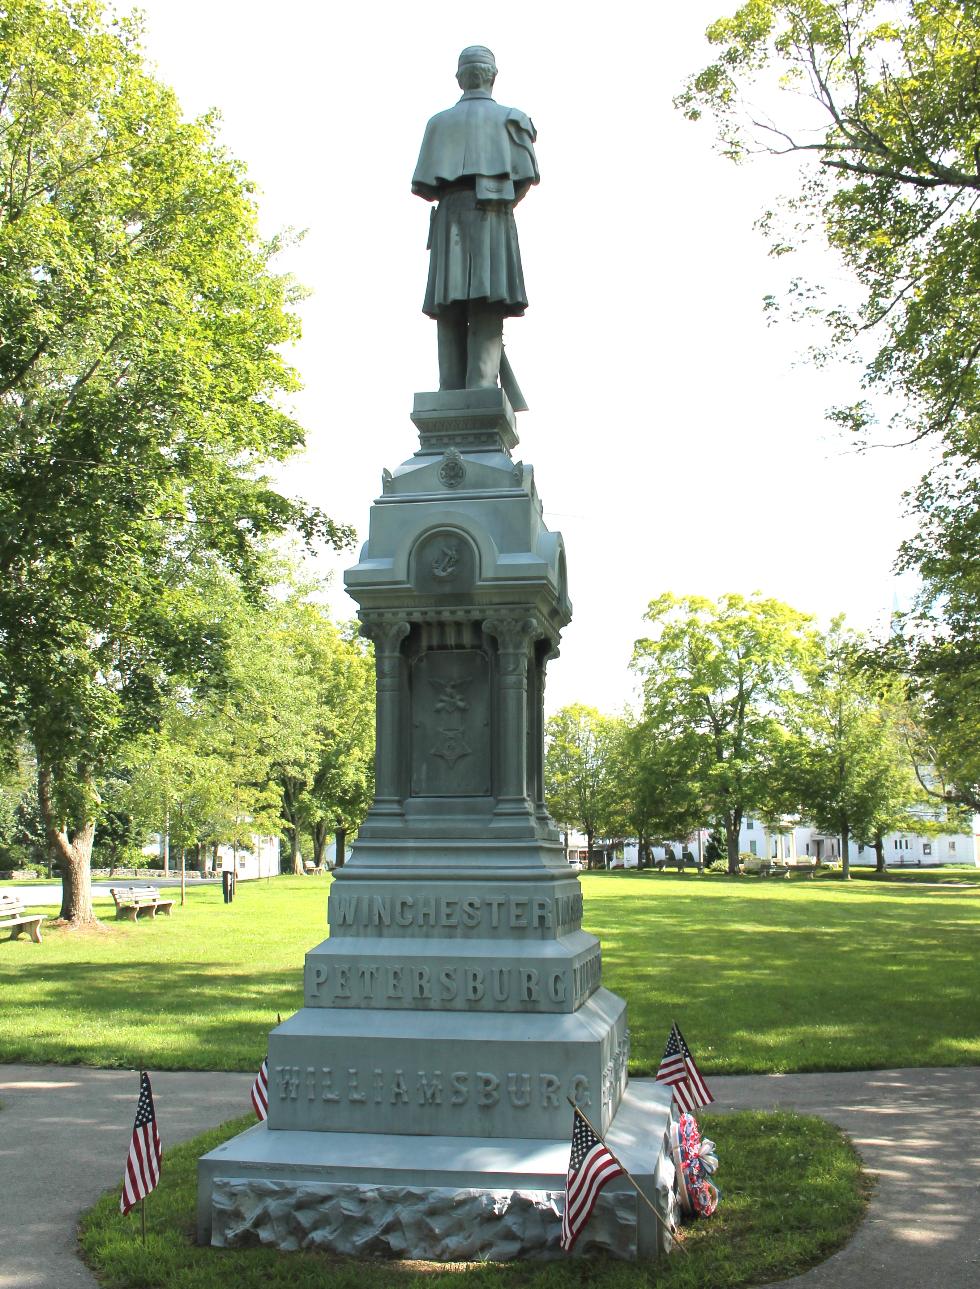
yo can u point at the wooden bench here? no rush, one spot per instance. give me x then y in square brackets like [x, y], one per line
[757, 864]
[787, 867]
[14, 919]
[131, 901]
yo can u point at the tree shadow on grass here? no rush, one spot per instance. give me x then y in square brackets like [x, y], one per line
[146, 1013]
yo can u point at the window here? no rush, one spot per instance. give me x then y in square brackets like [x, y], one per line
[750, 823]
[927, 848]
[952, 847]
[860, 848]
[754, 847]
[896, 843]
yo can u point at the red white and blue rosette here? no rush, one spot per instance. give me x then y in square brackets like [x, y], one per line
[695, 1161]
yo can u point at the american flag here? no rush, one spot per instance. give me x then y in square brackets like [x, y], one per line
[145, 1152]
[590, 1166]
[677, 1069]
[260, 1091]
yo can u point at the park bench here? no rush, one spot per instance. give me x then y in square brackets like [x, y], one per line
[131, 901]
[787, 867]
[757, 864]
[14, 919]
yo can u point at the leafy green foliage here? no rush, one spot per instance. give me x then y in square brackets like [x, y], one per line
[937, 649]
[323, 751]
[894, 131]
[893, 135]
[846, 755]
[794, 1192]
[141, 373]
[660, 796]
[715, 677]
[582, 748]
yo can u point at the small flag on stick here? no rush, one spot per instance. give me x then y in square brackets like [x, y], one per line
[260, 1091]
[590, 1166]
[145, 1152]
[677, 1069]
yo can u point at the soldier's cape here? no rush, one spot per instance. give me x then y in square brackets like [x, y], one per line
[477, 138]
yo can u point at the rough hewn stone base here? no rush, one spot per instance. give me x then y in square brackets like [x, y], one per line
[437, 1223]
[437, 1198]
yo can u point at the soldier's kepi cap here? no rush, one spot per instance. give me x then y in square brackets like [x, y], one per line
[476, 54]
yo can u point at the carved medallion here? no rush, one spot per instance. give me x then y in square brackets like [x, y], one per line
[445, 565]
[452, 471]
[451, 747]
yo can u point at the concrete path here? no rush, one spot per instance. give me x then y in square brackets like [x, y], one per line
[50, 892]
[64, 1138]
[918, 1132]
[64, 1134]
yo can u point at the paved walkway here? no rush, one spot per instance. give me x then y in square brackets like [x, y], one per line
[64, 1133]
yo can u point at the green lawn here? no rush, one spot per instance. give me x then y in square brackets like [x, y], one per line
[792, 1193]
[762, 975]
[949, 874]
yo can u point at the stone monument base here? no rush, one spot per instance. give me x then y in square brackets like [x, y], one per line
[437, 1198]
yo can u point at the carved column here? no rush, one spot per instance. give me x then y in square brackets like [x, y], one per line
[546, 651]
[387, 637]
[514, 637]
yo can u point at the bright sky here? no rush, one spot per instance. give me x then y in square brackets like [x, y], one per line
[678, 442]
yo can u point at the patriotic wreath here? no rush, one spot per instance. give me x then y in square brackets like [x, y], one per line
[695, 1160]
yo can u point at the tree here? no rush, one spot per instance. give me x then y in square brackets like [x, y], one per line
[893, 185]
[199, 780]
[660, 796]
[936, 649]
[716, 677]
[324, 752]
[845, 752]
[343, 786]
[140, 375]
[892, 131]
[581, 756]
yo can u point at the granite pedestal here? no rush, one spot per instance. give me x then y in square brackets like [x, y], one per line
[419, 1103]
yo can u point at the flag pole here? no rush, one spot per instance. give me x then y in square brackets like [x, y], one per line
[143, 1200]
[629, 1176]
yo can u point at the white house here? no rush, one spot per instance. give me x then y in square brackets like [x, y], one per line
[901, 848]
[799, 841]
[260, 858]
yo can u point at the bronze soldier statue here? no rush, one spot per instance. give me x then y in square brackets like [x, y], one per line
[477, 161]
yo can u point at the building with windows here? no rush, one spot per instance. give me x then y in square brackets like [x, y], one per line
[797, 841]
[902, 848]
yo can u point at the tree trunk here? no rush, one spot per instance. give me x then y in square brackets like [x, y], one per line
[340, 846]
[879, 845]
[320, 835]
[589, 856]
[290, 815]
[732, 824]
[845, 851]
[70, 848]
[295, 855]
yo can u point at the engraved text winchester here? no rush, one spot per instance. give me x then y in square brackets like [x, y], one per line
[469, 913]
